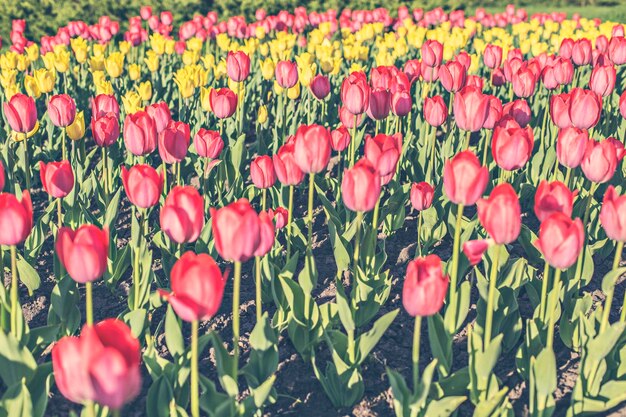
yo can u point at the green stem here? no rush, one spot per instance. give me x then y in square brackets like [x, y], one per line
[433, 143]
[90, 410]
[14, 294]
[310, 209]
[89, 302]
[455, 262]
[353, 142]
[63, 145]
[544, 291]
[26, 164]
[259, 298]
[554, 301]
[579, 262]
[486, 148]
[418, 249]
[493, 277]
[195, 398]
[289, 221]
[357, 241]
[105, 174]
[236, 286]
[136, 264]
[416, 351]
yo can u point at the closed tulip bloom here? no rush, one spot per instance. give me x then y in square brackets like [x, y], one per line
[237, 231]
[174, 142]
[492, 56]
[267, 233]
[613, 215]
[83, 252]
[429, 74]
[143, 185]
[559, 110]
[57, 178]
[320, 86]
[519, 110]
[286, 73]
[347, 118]
[223, 102]
[103, 104]
[340, 139]
[280, 215]
[432, 53]
[497, 78]
[435, 111]
[380, 104]
[287, 170]
[208, 143]
[512, 147]
[105, 130]
[16, 218]
[197, 287]
[383, 152]
[360, 187]
[262, 172]
[237, 65]
[571, 144]
[561, 240]
[102, 365]
[421, 195]
[452, 76]
[21, 113]
[565, 50]
[401, 103]
[474, 250]
[524, 82]
[62, 110]
[464, 179]
[617, 50]
[600, 161]
[312, 148]
[553, 197]
[355, 93]
[160, 113]
[602, 81]
[425, 287]
[412, 69]
[500, 214]
[620, 151]
[182, 214]
[585, 108]
[564, 71]
[140, 134]
[581, 52]
[470, 108]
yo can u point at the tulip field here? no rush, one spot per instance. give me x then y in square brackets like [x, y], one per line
[416, 213]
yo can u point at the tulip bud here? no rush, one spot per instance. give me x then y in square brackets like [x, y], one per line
[105, 130]
[492, 56]
[475, 249]
[238, 66]
[561, 240]
[360, 187]
[16, 218]
[83, 252]
[599, 161]
[452, 76]
[432, 53]
[435, 111]
[470, 108]
[140, 134]
[512, 147]
[355, 93]
[613, 215]
[160, 113]
[500, 214]
[340, 139]
[464, 179]
[174, 142]
[62, 110]
[421, 195]
[287, 170]
[571, 144]
[266, 234]
[143, 185]
[103, 104]
[182, 214]
[425, 286]
[57, 178]
[280, 216]
[262, 172]
[553, 197]
[320, 86]
[208, 143]
[401, 103]
[383, 152]
[312, 148]
[76, 130]
[585, 108]
[223, 102]
[286, 74]
[21, 113]
[237, 231]
[379, 105]
[559, 110]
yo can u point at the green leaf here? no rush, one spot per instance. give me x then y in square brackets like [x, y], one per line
[173, 333]
[160, 396]
[27, 274]
[16, 401]
[369, 339]
[16, 362]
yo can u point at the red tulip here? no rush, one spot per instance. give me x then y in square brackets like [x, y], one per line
[512, 147]
[267, 233]
[21, 113]
[432, 53]
[348, 119]
[57, 178]
[140, 134]
[355, 93]
[524, 82]
[182, 214]
[500, 214]
[613, 215]
[280, 216]
[237, 231]
[160, 113]
[464, 179]
[470, 108]
[286, 73]
[208, 143]
[519, 110]
[563, 71]
[145, 12]
[143, 185]
[559, 110]
[494, 114]
[617, 50]
[429, 74]
[103, 104]
[492, 56]
[602, 81]
[83, 252]
[105, 130]
[435, 111]
[475, 249]
[320, 86]
[553, 197]
[223, 102]
[425, 286]
[412, 69]
[565, 50]
[498, 78]
[380, 104]
[383, 152]
[101, 365]
[174, 142]
[600, 161]
[62, 110]
[237, 65]
[561, 240]
[360, 187]
[312, 148]
[585, 108]
[340, 139]
[197, 287]
[452, 76]
[571, 144]
[287, 170]
[262, 172]
[16, 218]
[421, 195]
[401, 103]
[581, 52]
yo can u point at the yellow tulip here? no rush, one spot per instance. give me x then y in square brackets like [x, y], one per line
[98, 50]
[8, 60]
[45, 79]
[104, 87]
[114, 64]
[124, 47]
[134, 71]
[259, 32]
[220, 70]
[31, 87]
[267, 69]
[80, 48]
[152, 61]
[294, 92]
[76, 130]
[145, 90]
[96, 63]
[62, 61]
[185, 84]
[170, 45]
[132, 102]
[190, 57]
[8, 78]
[48, 60]
[157, 43]
[22, 63]
[195, 44]
[209, 62]
[261, 117]
[204, 98]
[32, 52]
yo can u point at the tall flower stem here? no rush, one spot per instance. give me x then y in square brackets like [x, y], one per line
[14, 295]
[26, 164]
[455, 262]
[418, 248]
[105, 174]
[289, 221]
[609, 296]
[579, 262]
[63, 145]
[310, 209]
[493, 276]
[554, 301]
[353, 141]
[136, 264]
[236, 286]
[195, 397]
[433, 143]
[415, 357]
[357, 241]
[544, 291]
[89, 302]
